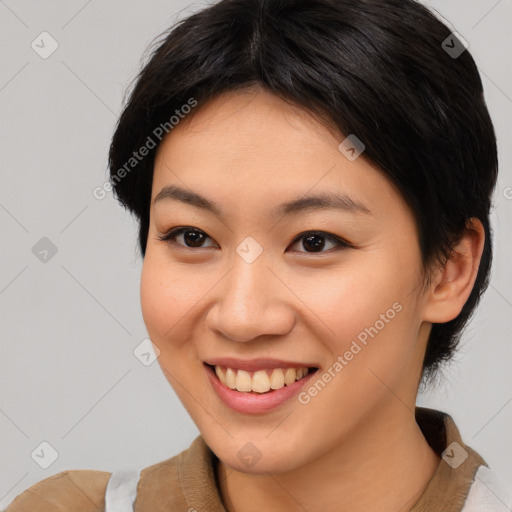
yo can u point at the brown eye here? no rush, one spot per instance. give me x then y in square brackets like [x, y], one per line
[312, 241]
[315, 241]
[192, 237]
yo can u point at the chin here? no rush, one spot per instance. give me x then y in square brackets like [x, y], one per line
[257, 457]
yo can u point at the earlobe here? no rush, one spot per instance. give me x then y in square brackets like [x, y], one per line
[451, 286]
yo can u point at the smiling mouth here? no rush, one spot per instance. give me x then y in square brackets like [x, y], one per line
[260, 381]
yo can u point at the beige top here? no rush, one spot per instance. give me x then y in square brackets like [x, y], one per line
[187, 480]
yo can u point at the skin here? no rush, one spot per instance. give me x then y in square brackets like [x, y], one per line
[355, 446]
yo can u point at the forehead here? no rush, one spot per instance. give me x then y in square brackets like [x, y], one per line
[253, 147]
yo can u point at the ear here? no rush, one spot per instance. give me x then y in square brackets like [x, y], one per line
[452, 284]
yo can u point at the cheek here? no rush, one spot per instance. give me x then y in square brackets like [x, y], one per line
[165, 298]
[153, 298]
[366, 315]
[347, 300]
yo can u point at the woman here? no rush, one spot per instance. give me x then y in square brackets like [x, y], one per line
[313, 181]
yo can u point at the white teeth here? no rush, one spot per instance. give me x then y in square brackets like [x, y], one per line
[230, 378]
[302, 372]
[220, 374]
[277, 379]
[260, 381]
[243, 381]
[290, 376]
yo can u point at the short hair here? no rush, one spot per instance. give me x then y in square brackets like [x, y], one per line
[379, 69]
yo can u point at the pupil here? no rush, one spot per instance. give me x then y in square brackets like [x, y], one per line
[196, 238]
[310, 240]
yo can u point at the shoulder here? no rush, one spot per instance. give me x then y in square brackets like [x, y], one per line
[488, 492]
[165, 484]
[175, 483]
[161, 484]
[67, 491]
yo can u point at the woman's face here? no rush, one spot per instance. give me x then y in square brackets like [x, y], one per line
[250, 288]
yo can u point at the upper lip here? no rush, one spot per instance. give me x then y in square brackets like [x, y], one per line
[259, 363]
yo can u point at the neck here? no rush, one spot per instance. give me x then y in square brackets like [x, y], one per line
[385, 465]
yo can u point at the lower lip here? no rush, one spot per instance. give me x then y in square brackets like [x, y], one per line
[252, 402]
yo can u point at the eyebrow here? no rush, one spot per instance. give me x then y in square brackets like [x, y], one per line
[322, 201]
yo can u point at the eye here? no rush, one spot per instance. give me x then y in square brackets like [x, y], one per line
[313, 241]
[193, 236]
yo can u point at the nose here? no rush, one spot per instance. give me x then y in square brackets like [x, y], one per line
[251, 301]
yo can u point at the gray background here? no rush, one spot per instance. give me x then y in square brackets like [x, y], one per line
[70, 325]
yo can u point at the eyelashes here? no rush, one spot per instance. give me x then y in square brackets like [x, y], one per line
[313, 239]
